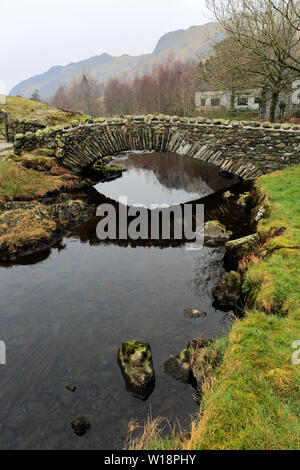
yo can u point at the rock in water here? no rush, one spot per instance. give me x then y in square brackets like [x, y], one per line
[228, 291]
[192, 364]
[193, 313]
[81, 426]
[215, 233]
[179, 367]
[135, 361]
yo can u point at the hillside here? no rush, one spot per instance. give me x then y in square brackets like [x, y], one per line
[195, 42]
[20, 108]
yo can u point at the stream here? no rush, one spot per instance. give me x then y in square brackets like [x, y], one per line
[64, 314]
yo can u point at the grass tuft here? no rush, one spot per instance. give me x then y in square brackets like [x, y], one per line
[17, 182]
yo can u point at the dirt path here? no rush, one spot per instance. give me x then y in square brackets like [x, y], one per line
[5, 148]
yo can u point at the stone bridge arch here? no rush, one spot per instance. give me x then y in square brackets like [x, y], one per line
[247, 149]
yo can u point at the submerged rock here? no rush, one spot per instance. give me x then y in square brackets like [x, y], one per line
[193, 313]
[228, 291]
[81, 426]
[215, 233]
[179, 367]
[39, 163]
[135, 361]
[237, 249]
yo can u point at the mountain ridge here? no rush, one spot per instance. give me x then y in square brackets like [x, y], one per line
[192, 43]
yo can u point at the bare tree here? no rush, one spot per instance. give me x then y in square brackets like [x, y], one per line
[254, 25]
[60, 99]
[228, 69]
[289, 11]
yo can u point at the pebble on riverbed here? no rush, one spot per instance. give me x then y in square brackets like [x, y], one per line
[81, 426]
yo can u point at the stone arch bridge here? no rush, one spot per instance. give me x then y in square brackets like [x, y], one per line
[247, 149]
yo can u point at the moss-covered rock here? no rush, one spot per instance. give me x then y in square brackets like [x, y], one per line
[81, 425]
[193, 313]
[179, 367]
[255, 124]
[237, 249]
[261, 207]
[244, 200]
[228, 291]
[135, 361]
[192, 364]
[267, 125]
[215, 233]
[44, 152]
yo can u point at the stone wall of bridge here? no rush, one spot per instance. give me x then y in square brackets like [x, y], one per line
[247, 149]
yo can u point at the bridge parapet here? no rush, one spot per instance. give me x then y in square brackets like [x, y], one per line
[247, 149]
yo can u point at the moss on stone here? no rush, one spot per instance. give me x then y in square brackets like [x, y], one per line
[238, 249]
[267, 125]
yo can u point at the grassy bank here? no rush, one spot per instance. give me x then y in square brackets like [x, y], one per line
[24, 221]
[19, 183]
[253, 401]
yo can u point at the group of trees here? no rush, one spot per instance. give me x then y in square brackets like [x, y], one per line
[83, 94]
[167, 88]
[262, 47]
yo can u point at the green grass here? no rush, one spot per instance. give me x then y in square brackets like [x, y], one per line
[254, 401]
[22, 108]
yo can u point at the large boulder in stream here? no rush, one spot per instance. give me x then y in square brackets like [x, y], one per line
[135, 361]
[228, 291]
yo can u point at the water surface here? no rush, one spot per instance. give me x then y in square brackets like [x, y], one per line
[64, 314]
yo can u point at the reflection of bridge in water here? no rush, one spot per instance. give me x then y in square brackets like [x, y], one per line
[216, 207]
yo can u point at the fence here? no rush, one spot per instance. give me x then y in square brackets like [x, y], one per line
[4, 126]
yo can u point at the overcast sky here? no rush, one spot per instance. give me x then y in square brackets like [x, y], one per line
[38, 34]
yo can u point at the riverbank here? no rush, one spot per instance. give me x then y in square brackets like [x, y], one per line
[39, 202]
[251, 400]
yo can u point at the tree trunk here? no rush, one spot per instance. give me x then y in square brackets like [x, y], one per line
[274, 101]
[263, 104]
